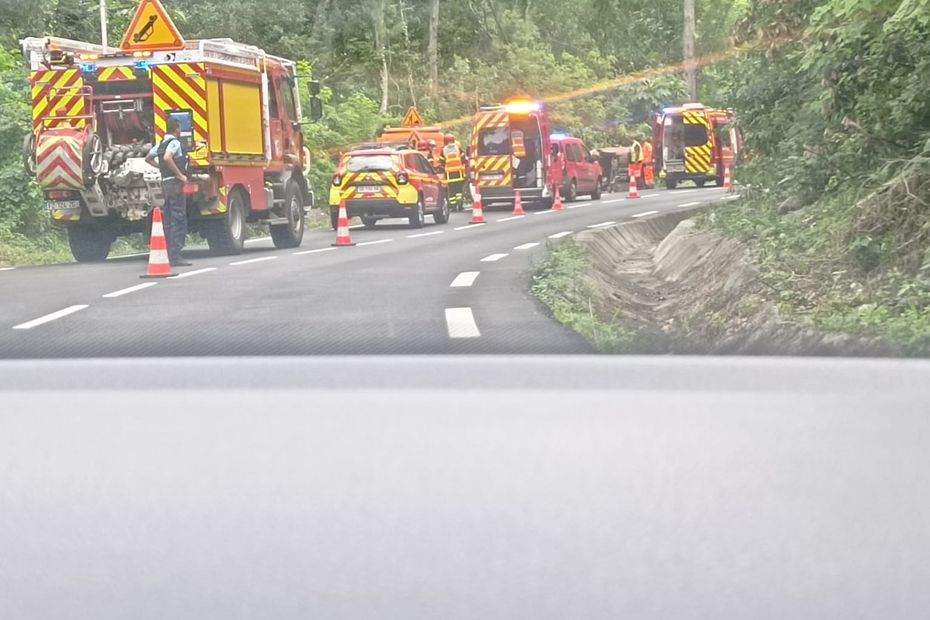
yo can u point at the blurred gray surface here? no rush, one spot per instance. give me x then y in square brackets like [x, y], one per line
[550, 488]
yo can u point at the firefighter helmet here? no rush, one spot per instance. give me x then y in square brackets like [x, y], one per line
[448, 138]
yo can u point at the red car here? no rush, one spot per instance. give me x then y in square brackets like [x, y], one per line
[581, 172]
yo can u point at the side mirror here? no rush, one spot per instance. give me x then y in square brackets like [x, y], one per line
[314, 88]
[316, 108]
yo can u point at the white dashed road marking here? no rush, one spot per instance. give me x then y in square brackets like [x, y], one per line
[564, 233]
[733, 197]
[526, 246]
[602, 224]
[377, 241]
[546, 212]
[466, 278]
[7, 268]
[515, 217]
[608, 202]
[258, 239]
[493, 258]
[253, 260]
[195, 272]
[689, 204]
[644, 214]
[575, 206]
[461, 323]
[426, 234]
[314, 251]
[131, 289]
[467, 226]
[50, 317]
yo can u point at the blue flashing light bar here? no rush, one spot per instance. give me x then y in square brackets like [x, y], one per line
[88, 67]
[141, 64]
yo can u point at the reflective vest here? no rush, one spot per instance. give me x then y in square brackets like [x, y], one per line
[180, 161]
[636, 153]
[455, 166]
[647, 153]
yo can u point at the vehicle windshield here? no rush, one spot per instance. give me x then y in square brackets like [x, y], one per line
[777, 146]
[370, 163]
[494, 141]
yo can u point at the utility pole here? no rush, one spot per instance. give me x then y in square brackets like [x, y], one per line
[689, 65]
[103, 24]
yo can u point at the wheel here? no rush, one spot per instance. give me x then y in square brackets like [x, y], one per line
[596, 194]
[291, 234]
[334, 218]
[29, 154]
[369, 222]
[93, 158]
[416, 220]
[571, 192]
[699, 182]
[671, 183]
[442, 216]
[719, 180]
[227, 235]
[89, 242]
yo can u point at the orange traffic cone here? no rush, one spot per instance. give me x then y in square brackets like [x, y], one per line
[557, 203]
[518, 204]
[159, 267]
[343, 238]
[477, 213]
[634, 191]
[727, 182]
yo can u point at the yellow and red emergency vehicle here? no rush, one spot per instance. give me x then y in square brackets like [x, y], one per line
[693, 142]
[511, 150]
[97, 111]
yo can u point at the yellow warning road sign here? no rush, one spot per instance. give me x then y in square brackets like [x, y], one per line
[412, 118]
[151, 30]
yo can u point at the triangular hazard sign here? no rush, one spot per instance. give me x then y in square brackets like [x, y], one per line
[412, 119]
[151, 30]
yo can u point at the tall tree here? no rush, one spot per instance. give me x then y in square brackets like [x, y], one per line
[433, 48]
[689, 36]
[381, 50]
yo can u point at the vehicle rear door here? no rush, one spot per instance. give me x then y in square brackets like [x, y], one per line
[431, 185]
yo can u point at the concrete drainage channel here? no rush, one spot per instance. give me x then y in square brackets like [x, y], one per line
[681, 289]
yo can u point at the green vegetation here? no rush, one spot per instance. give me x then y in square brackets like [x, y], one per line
[837, 122]
[563, 284]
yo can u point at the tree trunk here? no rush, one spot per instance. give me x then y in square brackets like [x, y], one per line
[319, 18]
[433, 50]
[381, 49]
[689, 65]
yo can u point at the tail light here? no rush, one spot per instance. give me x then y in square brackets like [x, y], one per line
[402, 178]
[337, 180]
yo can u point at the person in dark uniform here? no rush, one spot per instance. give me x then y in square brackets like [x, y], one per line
[171, 159]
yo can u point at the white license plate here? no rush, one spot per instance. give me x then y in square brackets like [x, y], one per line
[62, 205]
[369, 189]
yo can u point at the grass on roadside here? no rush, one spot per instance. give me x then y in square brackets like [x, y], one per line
[563, 284]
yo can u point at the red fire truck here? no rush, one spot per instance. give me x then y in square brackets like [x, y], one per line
[511, 150]
[97, 111]
[694, 143]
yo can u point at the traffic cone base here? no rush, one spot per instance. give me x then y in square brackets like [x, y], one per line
[159, 266]
[557, 202]
[727, 181]
[343, 237]
[477, 213]
[518, 204]
[634, 191]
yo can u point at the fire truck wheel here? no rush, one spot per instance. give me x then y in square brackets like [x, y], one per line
[29, 154]
[89, 242]
[227, 235]
[291, 234]
[93, 157]
[699, 182]
[596, 194]
[368, 221]
[671, 183]
[442, 216]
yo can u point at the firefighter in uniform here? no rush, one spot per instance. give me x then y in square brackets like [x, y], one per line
[454, 164]
[649, 179]
[636, 161]
[171, 159]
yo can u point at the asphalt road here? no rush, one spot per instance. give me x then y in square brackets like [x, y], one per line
[451, 288]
